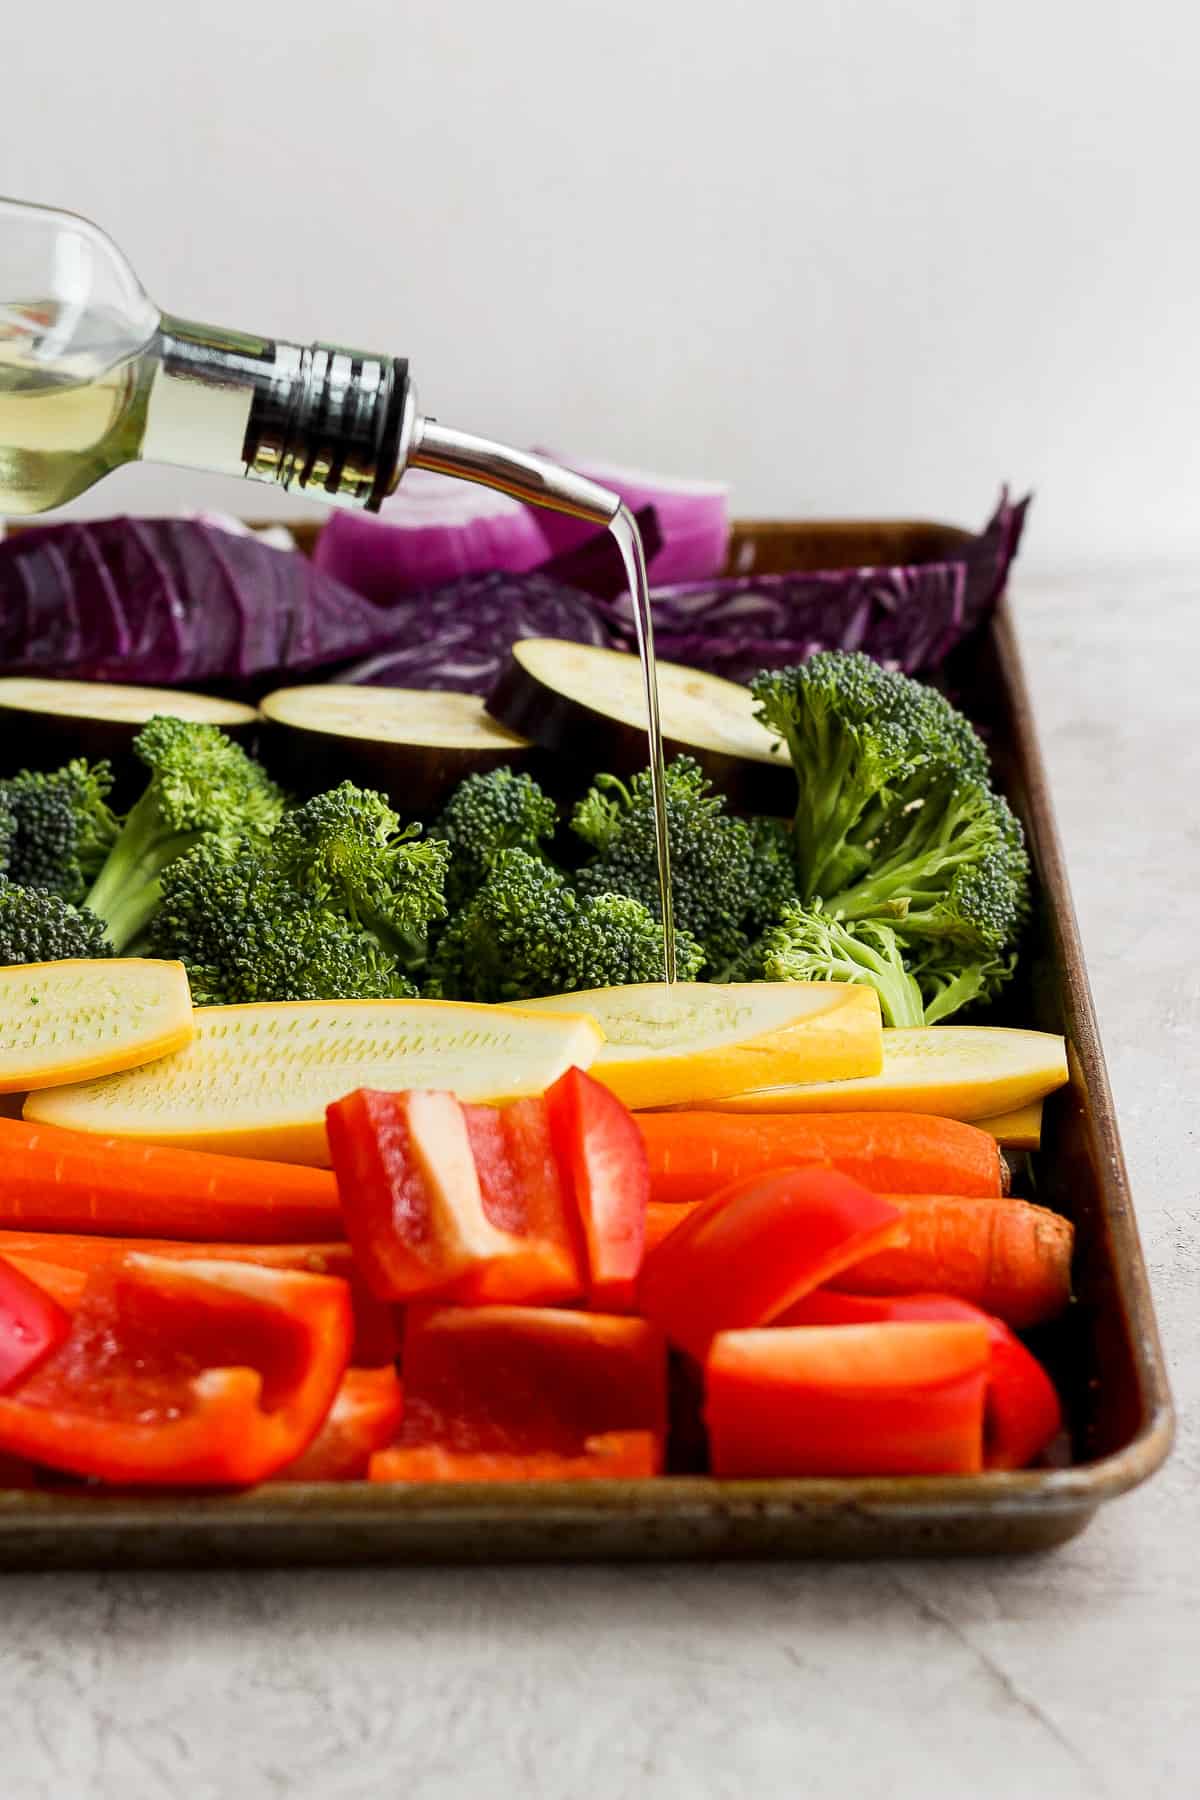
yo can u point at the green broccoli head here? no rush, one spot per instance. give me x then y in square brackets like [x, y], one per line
[865, 743]
[202, 785]
[346, 852]
[335, 904]
[712, 855]
[486, 814]
[39, 926]
[808, 944]
[899, 837]
[57, 827]
[246, 933]
[955, 867]
[201, 781]
[951, 978]
[8, 829]
[528, 932]
[771, 883]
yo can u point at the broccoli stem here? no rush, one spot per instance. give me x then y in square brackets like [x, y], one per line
[824, 797]
[917, 873]
[409, 950]
[126, 892]
[899, 996]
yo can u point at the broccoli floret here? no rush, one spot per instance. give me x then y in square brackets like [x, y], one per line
[770, 887]
[771, 883]
[951, 978]
[335, 904]
[38, 926]
[952, 879]
[8, 830]
[527, 932]
[245, 934]
[866, 743]
[897, 827]
[347, 852]
[486, 814]
[809, 945]
[712, 855]
[956, 866]
[202, 785]
[57, 828]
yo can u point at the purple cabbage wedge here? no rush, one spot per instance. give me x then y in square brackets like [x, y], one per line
[171, 602]
[909, 616]
[459, 636]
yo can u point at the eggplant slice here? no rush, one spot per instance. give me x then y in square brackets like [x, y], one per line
[43, 722]
[588, 705]
[413, 744]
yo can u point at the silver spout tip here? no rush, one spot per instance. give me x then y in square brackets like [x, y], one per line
[535, 480]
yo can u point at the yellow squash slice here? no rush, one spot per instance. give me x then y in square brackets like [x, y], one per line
[694, 1041]
[958, 1071]
[74, 1020]
[255, 1080]
[1019, 1130]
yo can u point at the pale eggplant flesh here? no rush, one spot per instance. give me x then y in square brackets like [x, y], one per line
[586, 705]
[413, 744]
[45, 722]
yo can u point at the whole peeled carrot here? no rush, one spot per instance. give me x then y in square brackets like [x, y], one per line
[1009, 1257]
[56, 1180]
[692, 1154]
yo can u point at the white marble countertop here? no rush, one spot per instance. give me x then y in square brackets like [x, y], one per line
[1075, 1675]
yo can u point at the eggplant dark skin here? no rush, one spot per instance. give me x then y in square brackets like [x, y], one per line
[307, 757]
[36, 735]
[586, 738]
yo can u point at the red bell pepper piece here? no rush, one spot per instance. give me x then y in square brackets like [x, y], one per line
[32, 1324]
[598, 1142]
[848, 1400]
[64, 1286]
[363, 1418]
[524, 1194]
[1022, 1414]
[529, 1383]
[749, 1252]
[61, 1261]
[185, 1373]
[609, 1456]
[457, 1202]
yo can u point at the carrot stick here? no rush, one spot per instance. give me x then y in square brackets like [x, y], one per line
[56, 1180]
[1009, 1257]
[71, 1250]
[692, 1154]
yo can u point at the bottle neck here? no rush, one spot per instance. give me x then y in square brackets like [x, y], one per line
[338, 425]
[315, 419]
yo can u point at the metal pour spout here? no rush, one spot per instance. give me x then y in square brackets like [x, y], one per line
[533, 479]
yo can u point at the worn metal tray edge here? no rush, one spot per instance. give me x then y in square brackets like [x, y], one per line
[1108, 1476]
[681, 1517]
